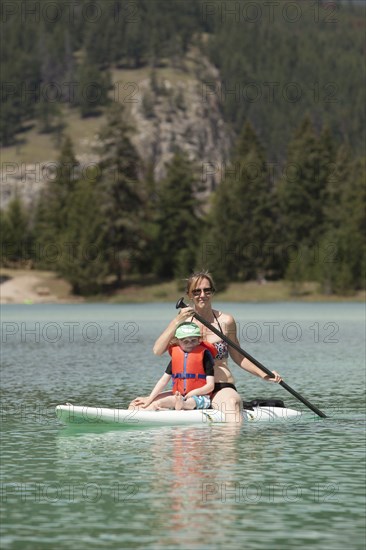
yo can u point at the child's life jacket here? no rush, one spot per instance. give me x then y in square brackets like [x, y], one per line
[188, 372]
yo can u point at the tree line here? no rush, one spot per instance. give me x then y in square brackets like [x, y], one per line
[276, 61]
[57, 54]
[98, 228]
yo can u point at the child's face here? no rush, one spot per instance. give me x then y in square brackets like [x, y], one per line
[188, 344]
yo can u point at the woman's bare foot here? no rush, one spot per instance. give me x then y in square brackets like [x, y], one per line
[178, 401]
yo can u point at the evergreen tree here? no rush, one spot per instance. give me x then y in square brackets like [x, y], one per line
[329, 259]
[83, 260]
[144, 257]
[276, 70]
[122, 191]
[4, 237]
[241, 238]
[16, 236]
[178, 220]
[279, 61]
[48, 113]
[98, 40]
[51, 213]
[214, 245]
[343, 248]
[10, 122]
[355, 201]
[301, 192]
[92, 90]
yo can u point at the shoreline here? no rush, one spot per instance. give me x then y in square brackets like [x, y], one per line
[22, 286]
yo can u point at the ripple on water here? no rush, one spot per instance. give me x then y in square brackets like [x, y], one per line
[277, 485]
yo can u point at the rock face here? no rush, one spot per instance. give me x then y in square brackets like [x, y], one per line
[175, 108]
[182, 114]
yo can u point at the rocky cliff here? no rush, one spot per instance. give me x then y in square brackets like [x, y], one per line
[183, 113]
[170, 108]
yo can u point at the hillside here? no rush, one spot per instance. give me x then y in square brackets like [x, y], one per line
[269, 65]
[127, 114]
[166, 110]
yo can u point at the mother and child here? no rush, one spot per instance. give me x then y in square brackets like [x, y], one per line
[199, 358]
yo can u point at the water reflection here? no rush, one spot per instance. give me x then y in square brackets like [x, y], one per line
[173, 473]
[194, 462]
[263, 485]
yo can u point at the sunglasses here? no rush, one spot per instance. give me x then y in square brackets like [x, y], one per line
[207, 291]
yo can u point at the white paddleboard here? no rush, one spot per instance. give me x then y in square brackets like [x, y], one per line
[82, 414]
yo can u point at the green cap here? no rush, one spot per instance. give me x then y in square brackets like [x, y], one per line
[188, 330]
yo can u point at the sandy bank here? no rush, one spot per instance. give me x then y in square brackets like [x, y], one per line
[29, 287]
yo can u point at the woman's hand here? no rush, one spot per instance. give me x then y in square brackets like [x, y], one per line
[166, 338]
[276, 378]
[185, 314]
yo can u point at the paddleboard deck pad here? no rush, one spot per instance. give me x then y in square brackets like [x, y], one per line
[82, 414]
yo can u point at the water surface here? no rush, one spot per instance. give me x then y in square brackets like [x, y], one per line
[277, 485]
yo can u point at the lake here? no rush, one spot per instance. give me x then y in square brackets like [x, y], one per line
[279, 486]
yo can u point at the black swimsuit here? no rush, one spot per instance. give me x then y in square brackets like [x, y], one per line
[221, 385]
[222, 353]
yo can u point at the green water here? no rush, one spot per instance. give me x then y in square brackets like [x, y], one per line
[289, 485]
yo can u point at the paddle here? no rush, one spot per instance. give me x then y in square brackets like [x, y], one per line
[181, 304]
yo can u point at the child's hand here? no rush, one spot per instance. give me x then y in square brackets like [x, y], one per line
[141, 402]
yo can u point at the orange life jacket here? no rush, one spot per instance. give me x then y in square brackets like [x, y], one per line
[187, 368]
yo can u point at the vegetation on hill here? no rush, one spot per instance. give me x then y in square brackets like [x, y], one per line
[278, 61]
[291, 201]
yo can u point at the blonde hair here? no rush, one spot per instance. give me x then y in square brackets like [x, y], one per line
[196, 278]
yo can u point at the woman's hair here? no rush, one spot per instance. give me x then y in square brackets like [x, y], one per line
[195, 279]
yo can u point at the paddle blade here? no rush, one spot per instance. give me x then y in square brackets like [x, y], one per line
[180, 303]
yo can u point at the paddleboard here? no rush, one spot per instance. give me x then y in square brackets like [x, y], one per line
[83, 414]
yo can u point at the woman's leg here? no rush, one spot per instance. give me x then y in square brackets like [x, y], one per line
[229, 402]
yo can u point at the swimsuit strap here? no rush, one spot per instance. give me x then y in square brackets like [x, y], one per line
[216, 319]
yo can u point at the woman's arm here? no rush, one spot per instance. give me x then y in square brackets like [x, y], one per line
[242, 361]
[164, 340]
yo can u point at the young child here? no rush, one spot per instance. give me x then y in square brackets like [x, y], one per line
[192, 370]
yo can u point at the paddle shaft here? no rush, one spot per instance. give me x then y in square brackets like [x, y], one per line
[181, 304]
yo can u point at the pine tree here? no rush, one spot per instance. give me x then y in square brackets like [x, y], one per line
[301, 193]
[214, 246]
[48, 113]
[241, 239]
[5, 235]
[178, 221]
[51, 213]
[83, 260]
[300, 190]
[329, 260]
[144, 258]
[349, 237]
[122, 192]
[92, 91]
[16, 237]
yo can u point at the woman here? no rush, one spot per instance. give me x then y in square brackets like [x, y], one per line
[200, 289]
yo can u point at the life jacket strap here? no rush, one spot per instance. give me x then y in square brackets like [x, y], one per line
[183, 376]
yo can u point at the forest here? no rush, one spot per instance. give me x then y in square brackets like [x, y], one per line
[291, 201]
